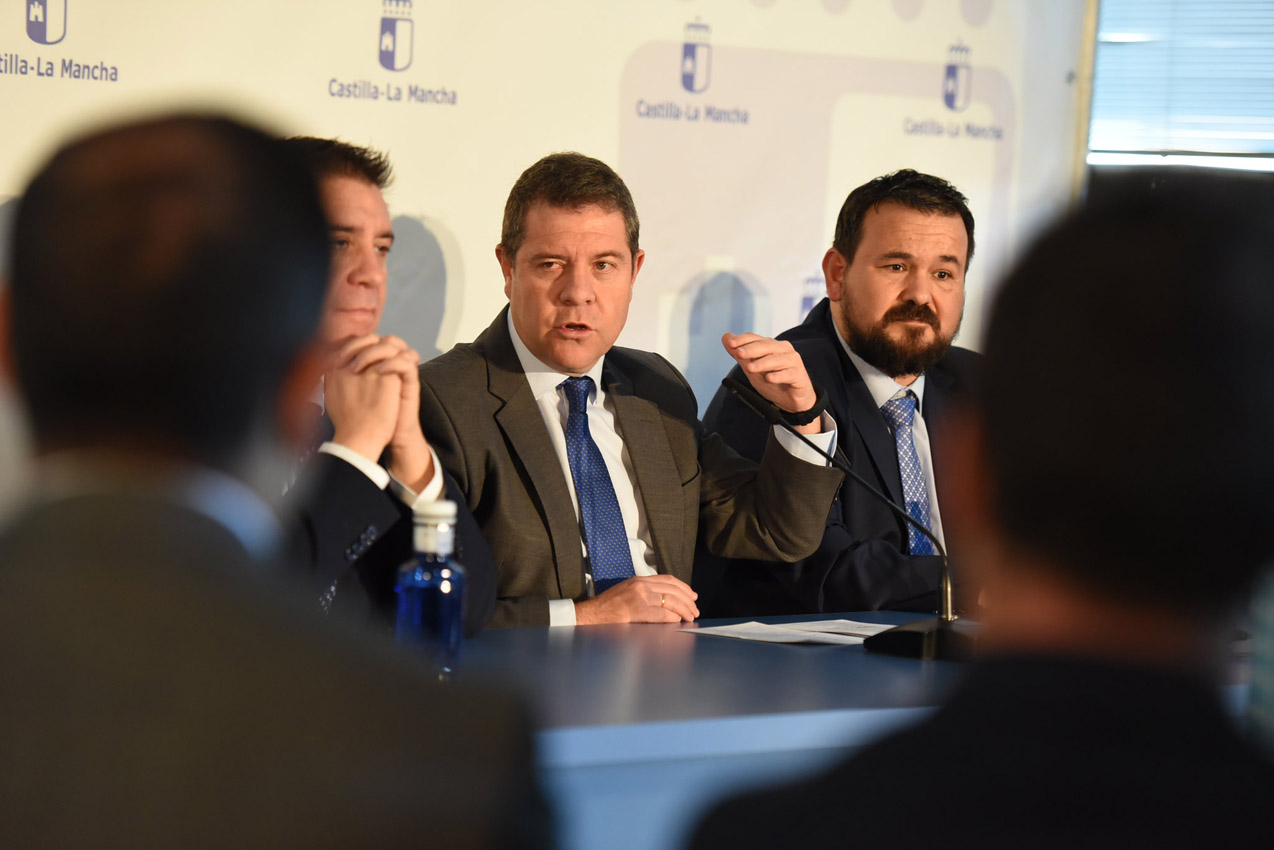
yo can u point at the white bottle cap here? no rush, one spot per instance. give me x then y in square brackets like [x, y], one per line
[442, 510]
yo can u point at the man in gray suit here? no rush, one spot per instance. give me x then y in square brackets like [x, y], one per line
[585, 464]
[161, 687]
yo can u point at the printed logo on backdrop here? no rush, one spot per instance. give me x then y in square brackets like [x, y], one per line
[396, 52]
[46, 21]
[696, 58]
[396, 33]
[46, 26]
[667, 104]
[957, 94]
[957, 80]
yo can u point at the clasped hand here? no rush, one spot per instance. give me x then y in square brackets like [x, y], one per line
[372, 395]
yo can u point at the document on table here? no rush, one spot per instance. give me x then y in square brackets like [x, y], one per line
[845, 632]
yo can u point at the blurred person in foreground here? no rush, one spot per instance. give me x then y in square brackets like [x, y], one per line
[161, 688]
[1112, 484]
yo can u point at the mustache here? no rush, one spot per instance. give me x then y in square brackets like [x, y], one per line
[911, 312]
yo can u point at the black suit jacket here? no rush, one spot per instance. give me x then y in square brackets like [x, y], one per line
[1032, 751]
[349, 538]
[476, 405]
[861, 564]
[160, 691]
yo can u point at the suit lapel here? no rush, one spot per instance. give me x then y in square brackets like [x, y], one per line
[937, 404]
[658, 482]
[523, 427]
[868, 423]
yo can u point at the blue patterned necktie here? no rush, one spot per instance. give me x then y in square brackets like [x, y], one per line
[601, 522]
[900, 412]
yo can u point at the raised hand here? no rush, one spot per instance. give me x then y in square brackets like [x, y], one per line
[776, 371]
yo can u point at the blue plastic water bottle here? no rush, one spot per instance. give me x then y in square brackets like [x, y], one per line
[430, 589]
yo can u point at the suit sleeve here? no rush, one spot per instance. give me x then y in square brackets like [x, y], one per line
[348, 537]
[847, 571]
[336, 516]
[775, 511]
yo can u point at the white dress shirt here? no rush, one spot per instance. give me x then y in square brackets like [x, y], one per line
[882, 389]
[555, 410]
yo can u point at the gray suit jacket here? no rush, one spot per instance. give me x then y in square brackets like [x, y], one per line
[160, 692]
[478, 412]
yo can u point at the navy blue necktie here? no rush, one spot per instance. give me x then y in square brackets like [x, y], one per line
[600, 519]
[901, 412]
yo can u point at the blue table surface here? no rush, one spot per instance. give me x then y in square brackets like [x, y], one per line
[650, 673]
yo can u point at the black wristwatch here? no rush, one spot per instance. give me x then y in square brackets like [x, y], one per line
[805, 417]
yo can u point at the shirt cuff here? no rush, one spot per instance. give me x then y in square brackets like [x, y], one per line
[825, 441]
[561, 612]
[371, 469]
[431, 493]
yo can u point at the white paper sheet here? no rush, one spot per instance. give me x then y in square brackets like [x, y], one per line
[841, 632]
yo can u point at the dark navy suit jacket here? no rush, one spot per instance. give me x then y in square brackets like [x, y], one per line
[351, 536]
[861, 564]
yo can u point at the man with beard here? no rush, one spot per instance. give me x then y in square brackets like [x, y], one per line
[1110, 487]
[880, 345]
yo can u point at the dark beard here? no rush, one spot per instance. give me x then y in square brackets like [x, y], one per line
[911, 356]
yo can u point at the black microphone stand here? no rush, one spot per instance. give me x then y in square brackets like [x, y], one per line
[945, 637]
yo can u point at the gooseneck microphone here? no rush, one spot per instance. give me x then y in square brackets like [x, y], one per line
[941, 638]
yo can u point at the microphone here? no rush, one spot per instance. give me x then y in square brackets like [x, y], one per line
[946, 637]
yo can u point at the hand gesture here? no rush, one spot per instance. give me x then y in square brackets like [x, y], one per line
[776, 371]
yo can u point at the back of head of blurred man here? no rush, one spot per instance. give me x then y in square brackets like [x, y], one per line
[160, 689]
[167, 283]
[1113, 487]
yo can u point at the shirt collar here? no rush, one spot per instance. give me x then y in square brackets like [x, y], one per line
[545, 379]
[881, 386]
[221, 498]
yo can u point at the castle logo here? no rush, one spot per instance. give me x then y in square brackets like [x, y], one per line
[696, 58]
[46, 20]
[396, 32]
[957, 80]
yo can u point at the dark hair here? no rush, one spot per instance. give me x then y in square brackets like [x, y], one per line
[1129, 395]
[165, 276]
[334, 158]
[567, 180]
[922, 192]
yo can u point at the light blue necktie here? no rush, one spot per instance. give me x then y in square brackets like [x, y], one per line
[901, 412]
[600, 519]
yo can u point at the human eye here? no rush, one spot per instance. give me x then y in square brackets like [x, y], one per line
[944, 275]
[895, 267]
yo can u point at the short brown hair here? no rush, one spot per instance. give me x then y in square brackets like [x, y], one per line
[188, 253]
[334, 158]
[912, 189]
[569, 180]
